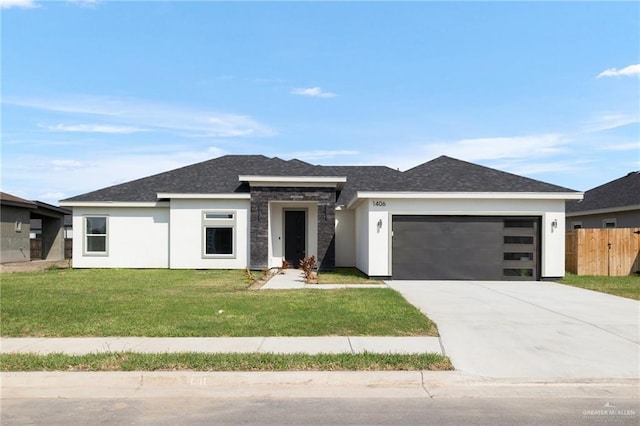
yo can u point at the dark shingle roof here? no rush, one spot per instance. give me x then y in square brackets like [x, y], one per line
[451, 175]
[622, 192]
[220, 175]
[12, 200]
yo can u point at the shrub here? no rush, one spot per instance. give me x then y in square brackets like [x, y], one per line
[308, 266]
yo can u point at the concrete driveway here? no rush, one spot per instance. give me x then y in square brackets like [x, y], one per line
[536, 330]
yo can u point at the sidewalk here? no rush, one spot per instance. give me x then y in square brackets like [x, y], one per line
[289, 279]
[285, 345]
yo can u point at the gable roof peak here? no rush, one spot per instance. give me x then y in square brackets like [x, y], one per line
[447, 174]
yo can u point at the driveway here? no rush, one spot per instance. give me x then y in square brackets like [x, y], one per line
[536, 330]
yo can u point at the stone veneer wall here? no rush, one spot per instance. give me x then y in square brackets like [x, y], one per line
[259, 239]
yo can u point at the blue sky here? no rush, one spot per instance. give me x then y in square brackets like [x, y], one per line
[98, 93]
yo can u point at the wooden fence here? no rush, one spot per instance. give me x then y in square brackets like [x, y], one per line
[612, 252]
[68, 248]
[36, 248]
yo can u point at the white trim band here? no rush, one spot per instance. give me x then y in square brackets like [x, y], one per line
[225, 196]
[410, 195]
[300, 181]
[148, 204]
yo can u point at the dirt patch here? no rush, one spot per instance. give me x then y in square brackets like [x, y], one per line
[35, 265]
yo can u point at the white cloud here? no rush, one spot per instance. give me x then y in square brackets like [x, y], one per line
[35, 176]
[628, 71]
[93, 128]
[123, 112]
[60, 165]
[499, 147]
[313, 92]
[84, 3]
[23, 4]
[610, 121]
[532, 150]
[631, 146]
[51, 197]
[215, 152]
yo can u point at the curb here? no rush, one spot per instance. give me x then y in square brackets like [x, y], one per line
[296, 384]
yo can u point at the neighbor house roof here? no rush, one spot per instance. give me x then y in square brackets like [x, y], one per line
[622, 193]
[12, 200]
[220, 175]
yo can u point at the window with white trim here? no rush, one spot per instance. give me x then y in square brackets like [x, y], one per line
[95, 235]
[219, 234]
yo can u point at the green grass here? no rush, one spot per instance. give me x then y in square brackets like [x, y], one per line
[127, 361]
[628, 286]
[181, 303]
[345, 276]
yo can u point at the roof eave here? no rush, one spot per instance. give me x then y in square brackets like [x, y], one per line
[360, 195]
[603, 211]
[298, 181]
[144, 204]
[194, 196]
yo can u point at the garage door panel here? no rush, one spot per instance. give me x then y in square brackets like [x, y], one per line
[461, 248]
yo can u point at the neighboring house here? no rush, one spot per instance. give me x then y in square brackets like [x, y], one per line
[17, 216]
[615, 204]
[444, 219]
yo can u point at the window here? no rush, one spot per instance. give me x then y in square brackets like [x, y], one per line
[95, 234]
[514, 239]
[576, 224]
[218, 234]
[518, 256]
[517, 272]
[218, 241]
[608, 223]
[519, 223]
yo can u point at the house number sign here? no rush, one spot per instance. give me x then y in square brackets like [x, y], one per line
[379, 203]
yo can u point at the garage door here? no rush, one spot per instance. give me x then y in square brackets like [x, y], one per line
[465, 248]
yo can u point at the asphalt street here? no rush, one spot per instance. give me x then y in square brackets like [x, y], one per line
[320, 411]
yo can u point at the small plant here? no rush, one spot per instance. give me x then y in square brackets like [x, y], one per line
[285, 264]
[308, 266]
[265, 274]
[250, 277]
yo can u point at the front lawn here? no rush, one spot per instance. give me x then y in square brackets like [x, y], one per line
[181, 303]
[628, 286]
[345, 276]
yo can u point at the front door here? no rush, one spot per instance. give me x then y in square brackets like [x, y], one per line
[294, 236]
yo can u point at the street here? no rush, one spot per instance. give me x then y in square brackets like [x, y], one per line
[321, 411]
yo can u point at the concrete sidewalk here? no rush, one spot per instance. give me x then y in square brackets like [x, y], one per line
[286, 345]
[289, 279]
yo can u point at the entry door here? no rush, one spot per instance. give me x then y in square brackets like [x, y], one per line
[295, 242]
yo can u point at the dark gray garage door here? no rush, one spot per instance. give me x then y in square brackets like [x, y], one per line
[465, 248]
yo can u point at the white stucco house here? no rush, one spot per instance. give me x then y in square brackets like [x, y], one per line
[444, 219]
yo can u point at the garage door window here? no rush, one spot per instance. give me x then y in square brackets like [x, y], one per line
[519, 223]
[517, 272]
[519, 249]
[518, 256]
[516, 239]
